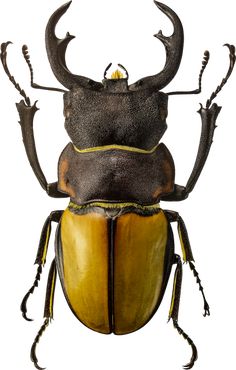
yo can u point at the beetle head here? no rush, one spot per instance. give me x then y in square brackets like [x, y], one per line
[56, 49]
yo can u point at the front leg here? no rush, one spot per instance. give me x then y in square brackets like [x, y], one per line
[208, 118]
[27, 113]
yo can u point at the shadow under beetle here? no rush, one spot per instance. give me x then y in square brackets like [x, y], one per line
[114, 244]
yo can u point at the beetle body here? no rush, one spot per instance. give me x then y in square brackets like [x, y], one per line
[113, 232]
[114, 247]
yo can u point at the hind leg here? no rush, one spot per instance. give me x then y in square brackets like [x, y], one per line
[55, 216]
[48, 312]
[174, 310]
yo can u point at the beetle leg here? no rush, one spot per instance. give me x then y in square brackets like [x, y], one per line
[208, 118]
[174, 311]
[187, 252]
[26, 114]
[196, 275]
[48, 312]
[41, 257]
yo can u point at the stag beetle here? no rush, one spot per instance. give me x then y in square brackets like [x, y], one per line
[114, 247]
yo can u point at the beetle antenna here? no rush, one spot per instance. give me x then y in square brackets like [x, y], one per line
[232, 58]
[26, 56]
[27, 59]
[205, 61]
[3, 56]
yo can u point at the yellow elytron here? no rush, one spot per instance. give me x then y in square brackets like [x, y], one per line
[112, 271]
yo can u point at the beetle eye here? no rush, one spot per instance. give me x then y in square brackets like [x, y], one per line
[163, 113]
[67, 112]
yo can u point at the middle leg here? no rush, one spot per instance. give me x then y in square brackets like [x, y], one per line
[187, 252]
[41, 257]
[48, 312]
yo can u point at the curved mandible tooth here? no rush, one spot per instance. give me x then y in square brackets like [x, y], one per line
[62, 47]
[164, 39]
[53, 20]
[52, 41]
[178, 29]
[56, 50]
[174, 48]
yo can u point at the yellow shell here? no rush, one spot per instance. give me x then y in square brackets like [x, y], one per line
[113, 287]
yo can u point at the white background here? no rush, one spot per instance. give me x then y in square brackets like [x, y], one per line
[121, 32]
